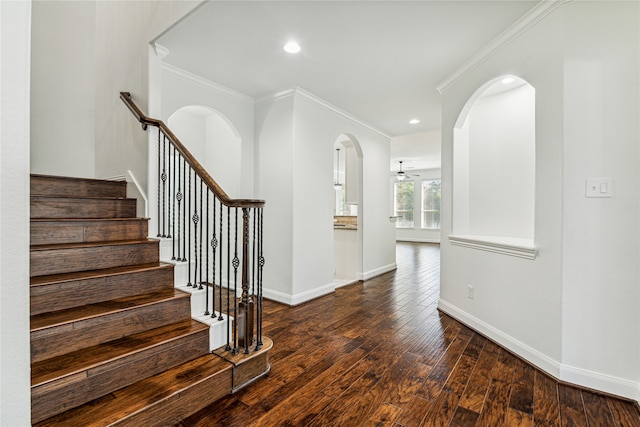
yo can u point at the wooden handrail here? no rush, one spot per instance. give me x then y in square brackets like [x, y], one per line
[197, 167]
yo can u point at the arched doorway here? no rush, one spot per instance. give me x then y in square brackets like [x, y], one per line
[214, 142]
[347, 173]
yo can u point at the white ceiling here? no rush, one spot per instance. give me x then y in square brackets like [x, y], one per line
[378, 60]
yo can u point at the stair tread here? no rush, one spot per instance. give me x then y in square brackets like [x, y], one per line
[63, 196]
[91, 274]
[75, 314]
[84, 359]
[92, 244]
[153, 390]
[86, 219]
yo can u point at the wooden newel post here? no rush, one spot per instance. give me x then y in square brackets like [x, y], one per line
[246, 309]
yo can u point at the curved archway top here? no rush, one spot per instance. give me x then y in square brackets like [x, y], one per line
[347, 139]
[494, 86]
[205, 111]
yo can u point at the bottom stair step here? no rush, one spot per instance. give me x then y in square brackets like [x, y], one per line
[66, 381]
[162, 400]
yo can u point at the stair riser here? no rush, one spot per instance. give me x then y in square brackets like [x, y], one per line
[76, 187]
[171, 411]
[57, 207]
[51, 232]
[53, 398]
[77, 293]
[66, 260]
[58, 340]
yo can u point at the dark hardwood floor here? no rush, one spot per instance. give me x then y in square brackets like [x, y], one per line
[378, 353]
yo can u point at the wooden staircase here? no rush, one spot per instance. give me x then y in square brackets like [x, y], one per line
[112, 340]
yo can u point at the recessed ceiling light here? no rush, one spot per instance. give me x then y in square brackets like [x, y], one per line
[291, 47]
[414, 121]
[508, 80]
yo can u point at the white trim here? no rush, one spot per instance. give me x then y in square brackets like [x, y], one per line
[522, 248]
[581, 377]
[298, 298]
[602, 382]
[322, 103]
[207, 84]
[376, 272]
[521, 26]
[530, 354]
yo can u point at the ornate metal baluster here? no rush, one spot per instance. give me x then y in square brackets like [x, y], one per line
[214, 246]
[200, 242]
[189, 234]
[178, 234]
[220, 317]
[159, 180]
[260, 266]
[236, 263]
[172, 192]
[163, 176]
[195, 218]
[206, 292]
[228, 347]
[184, 210]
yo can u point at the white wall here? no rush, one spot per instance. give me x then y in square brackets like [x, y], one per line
[63, 72]
[15, 378]
[601, 313]
[296, 134]
[568, 309]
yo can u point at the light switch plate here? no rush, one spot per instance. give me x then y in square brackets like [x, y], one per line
[598, 187]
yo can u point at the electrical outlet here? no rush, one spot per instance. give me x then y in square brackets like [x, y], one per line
[470, 291]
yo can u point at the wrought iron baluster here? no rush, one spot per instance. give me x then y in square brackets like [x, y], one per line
[214, 246]
[177, 234]
[159, 180]
[184, 211]
[163, 176]
[229, 283]
[200, 242]
[189, 233]
[236, 263]
[220, 317]
[172, 194]
[260, 267]
[206, 292]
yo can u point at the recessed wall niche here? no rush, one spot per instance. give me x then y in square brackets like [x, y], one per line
[494, 167]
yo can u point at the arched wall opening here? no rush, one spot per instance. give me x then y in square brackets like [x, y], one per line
[347, 173]
[494, 164]
[214, 142]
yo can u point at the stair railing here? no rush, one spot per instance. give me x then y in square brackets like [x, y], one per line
[219, 238]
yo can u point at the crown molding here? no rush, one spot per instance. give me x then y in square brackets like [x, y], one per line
[161, 51]
[521, 26]
[321, 103]
[205, 83]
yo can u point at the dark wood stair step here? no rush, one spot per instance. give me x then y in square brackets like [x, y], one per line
[64, 382]
[66, 258]
[162, 400]
[78, 207]
[47, 185]
[64, 230]
[67, 290]
[64, 331]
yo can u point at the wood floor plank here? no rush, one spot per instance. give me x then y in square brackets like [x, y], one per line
[625, 413]
[546, 409]
[597, 409]
[572, 412]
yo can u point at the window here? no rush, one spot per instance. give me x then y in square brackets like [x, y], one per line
[403, 203]
[431, 204]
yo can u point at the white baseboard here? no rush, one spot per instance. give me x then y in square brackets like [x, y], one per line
[376, 272]
[581, 377]
[298, 298]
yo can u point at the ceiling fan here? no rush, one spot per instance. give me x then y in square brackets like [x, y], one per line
[401, 175]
